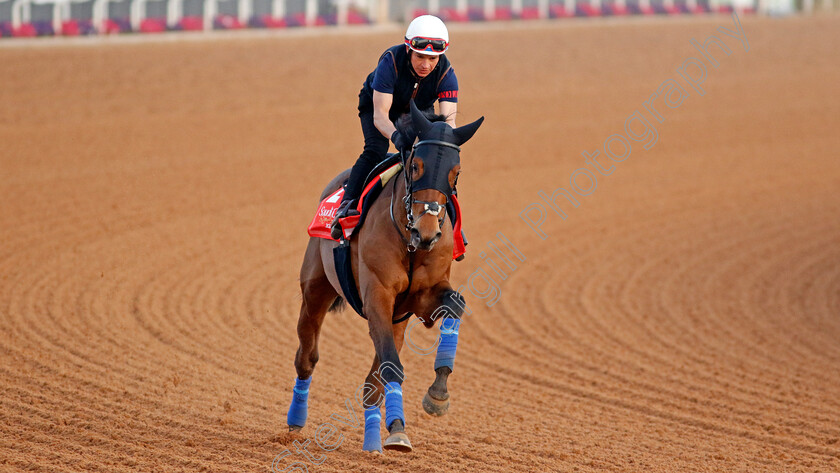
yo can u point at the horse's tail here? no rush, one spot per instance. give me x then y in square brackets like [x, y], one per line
[338, 305]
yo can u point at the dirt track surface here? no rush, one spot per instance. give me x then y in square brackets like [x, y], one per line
[684, 318]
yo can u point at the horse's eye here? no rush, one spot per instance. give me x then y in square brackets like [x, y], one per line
[414, 168]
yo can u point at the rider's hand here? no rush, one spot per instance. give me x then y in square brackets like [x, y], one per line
[399, 140]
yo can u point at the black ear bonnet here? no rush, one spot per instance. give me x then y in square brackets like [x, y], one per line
[439, 148]
[439, 156]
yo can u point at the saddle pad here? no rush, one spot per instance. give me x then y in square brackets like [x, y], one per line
[324, 216]
[322, 222]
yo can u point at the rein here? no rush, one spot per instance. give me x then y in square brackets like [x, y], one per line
[404, 295]
[394, 220]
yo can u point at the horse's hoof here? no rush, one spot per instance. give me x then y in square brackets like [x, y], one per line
[434, 407]
[398, 441]
[294, 428]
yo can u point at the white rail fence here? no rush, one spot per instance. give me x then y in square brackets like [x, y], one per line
[73, 17]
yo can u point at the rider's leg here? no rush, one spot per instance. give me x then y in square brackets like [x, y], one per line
[376, 147]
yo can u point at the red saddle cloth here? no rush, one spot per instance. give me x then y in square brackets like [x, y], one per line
[324, 216]
[322, 222]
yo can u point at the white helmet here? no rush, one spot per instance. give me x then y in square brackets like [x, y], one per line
[427, 35]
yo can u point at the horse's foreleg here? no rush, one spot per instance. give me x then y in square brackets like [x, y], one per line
[373, 396]
[449, 308]
[379, 307]
[317, 297]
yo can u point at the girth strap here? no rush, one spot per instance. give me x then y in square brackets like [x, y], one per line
[344, 271]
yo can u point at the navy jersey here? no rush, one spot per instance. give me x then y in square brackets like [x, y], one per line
[394, 75]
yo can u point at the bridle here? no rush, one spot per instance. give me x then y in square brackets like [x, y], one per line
[432, 208]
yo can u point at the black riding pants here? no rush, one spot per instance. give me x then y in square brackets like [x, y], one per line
[376, 148]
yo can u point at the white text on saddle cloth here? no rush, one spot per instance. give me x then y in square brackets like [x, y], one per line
[322, 221]
[329, 210]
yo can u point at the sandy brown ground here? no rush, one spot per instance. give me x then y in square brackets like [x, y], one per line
[684, 318]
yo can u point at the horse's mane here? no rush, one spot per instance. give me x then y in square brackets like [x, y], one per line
[405, 126]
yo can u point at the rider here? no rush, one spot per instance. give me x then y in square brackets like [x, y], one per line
[417, 70]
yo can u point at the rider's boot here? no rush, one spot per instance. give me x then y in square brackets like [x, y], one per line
[346, 209]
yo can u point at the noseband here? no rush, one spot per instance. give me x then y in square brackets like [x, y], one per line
[432, 208]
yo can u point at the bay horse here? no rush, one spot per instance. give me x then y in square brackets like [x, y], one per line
[401, 260]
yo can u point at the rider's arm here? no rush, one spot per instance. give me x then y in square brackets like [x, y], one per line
[448, 110]
[448, 96]
[381, 105]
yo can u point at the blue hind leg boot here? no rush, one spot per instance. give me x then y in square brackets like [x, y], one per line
[393, 403]
[448, 342]
[297, 411]
[373, 439]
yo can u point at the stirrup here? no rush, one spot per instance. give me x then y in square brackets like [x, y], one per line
[347, 208]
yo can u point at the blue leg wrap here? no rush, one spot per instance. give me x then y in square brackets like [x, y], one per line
[297, 411]
[393, 403]
[448, 342]
[373, 440]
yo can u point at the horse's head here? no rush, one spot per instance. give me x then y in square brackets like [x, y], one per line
[432, 171]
